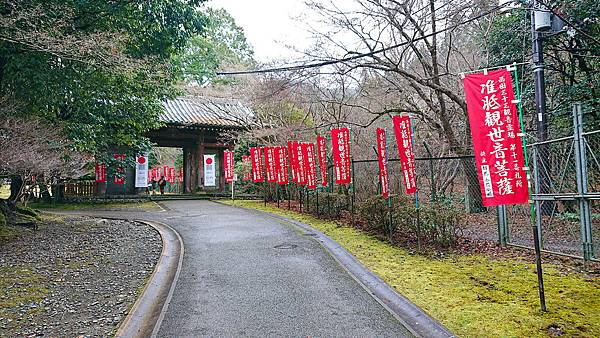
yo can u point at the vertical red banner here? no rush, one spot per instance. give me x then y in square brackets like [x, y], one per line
[120, 170]
[228, 166]
[310, 165]
[292, 154]
[300, 164]
[281, 165]
[181, 175]
[270, 164]
[246, 166]
[171, 175]
[403, 131]
[156, 173]
[496, 138]
[322, 152]
[340, 141]
[165, 172]
[382, 157]
[100, 173]
[257, 165]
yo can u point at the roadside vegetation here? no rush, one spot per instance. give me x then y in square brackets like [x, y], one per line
[473, 295]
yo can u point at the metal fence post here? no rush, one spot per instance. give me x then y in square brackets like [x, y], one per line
[582, 184]
[502, 225]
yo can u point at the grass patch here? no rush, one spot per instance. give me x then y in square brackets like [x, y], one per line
[20, 286]
[473, 296]
[95, 206]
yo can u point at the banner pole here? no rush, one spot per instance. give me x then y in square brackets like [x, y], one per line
[389, 198]
[534, 225]
[277, 193]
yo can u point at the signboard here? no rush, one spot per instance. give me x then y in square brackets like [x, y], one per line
[340, 141]
[322, 153]
[403, 131]
[310, 164]
[119, 171]
[270, 164]
[100, 173]
[496, 138]
[281, 165]
[141, 171]
[209, 171]
[228, 166]
[257, 165]
[382, 157]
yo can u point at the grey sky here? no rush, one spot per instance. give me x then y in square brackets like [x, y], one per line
[269, 25]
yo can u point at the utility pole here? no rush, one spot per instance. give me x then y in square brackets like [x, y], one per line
[540, 22]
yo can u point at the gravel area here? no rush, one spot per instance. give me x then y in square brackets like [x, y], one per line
[74, 277]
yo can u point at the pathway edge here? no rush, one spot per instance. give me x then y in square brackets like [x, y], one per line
[410, 315]
[148, 311]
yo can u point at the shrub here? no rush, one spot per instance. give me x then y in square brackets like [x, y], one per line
[330, 205]
[435, 223]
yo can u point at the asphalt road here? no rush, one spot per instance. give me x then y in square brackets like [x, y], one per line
[245, 274]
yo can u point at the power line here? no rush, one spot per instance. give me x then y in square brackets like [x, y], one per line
[569, 23]
[360, 55]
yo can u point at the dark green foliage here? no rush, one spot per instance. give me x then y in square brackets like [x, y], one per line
[330, 205]
[434, 223]
[571, 57]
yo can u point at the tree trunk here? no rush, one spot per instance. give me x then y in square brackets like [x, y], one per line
[16, 184]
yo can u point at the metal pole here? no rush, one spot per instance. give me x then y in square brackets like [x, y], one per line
[540, 105]
[502, 225]
[537, 226]
[277, 193]
[581, 173]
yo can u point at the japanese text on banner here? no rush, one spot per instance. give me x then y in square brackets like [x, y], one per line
[228, 166]
[403, 131]
[257, 165]
[496, 142]
[100, 172]
[281, 165]
[120, 171]
[340, 141]
[300, 164]
[270, 164]
[246, 167]
[382, 158]
[308, 152]
[322, 152]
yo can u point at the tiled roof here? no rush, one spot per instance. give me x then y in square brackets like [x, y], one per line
[205, 111]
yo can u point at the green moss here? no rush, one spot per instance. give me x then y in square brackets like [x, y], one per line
[473, 295]
[21, 285]
[2, 219]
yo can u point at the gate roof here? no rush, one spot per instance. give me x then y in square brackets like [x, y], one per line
[196, 111]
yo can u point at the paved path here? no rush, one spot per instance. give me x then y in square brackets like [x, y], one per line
[246, 274]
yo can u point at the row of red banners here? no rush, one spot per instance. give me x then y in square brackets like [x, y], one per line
[169, 173]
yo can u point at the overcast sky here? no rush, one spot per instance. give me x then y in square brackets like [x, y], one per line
[269, 25]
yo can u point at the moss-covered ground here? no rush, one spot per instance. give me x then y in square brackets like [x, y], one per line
[473, 295]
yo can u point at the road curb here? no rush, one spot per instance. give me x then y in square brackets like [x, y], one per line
[410, 315]
[148, 311]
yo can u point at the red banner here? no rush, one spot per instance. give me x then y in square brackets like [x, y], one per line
[383, 159]
[310, 165]
[403, 131]
[292, 153]
[156, 173]
[340, 141]
[257, 165]
[228, 166]
[171, 175]
[246, 166]
[300, 164]
[496, 142]
[181, 175]
[119, 171]
[322, 152]
[270, 164]
[281, 165]
[100, 173]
